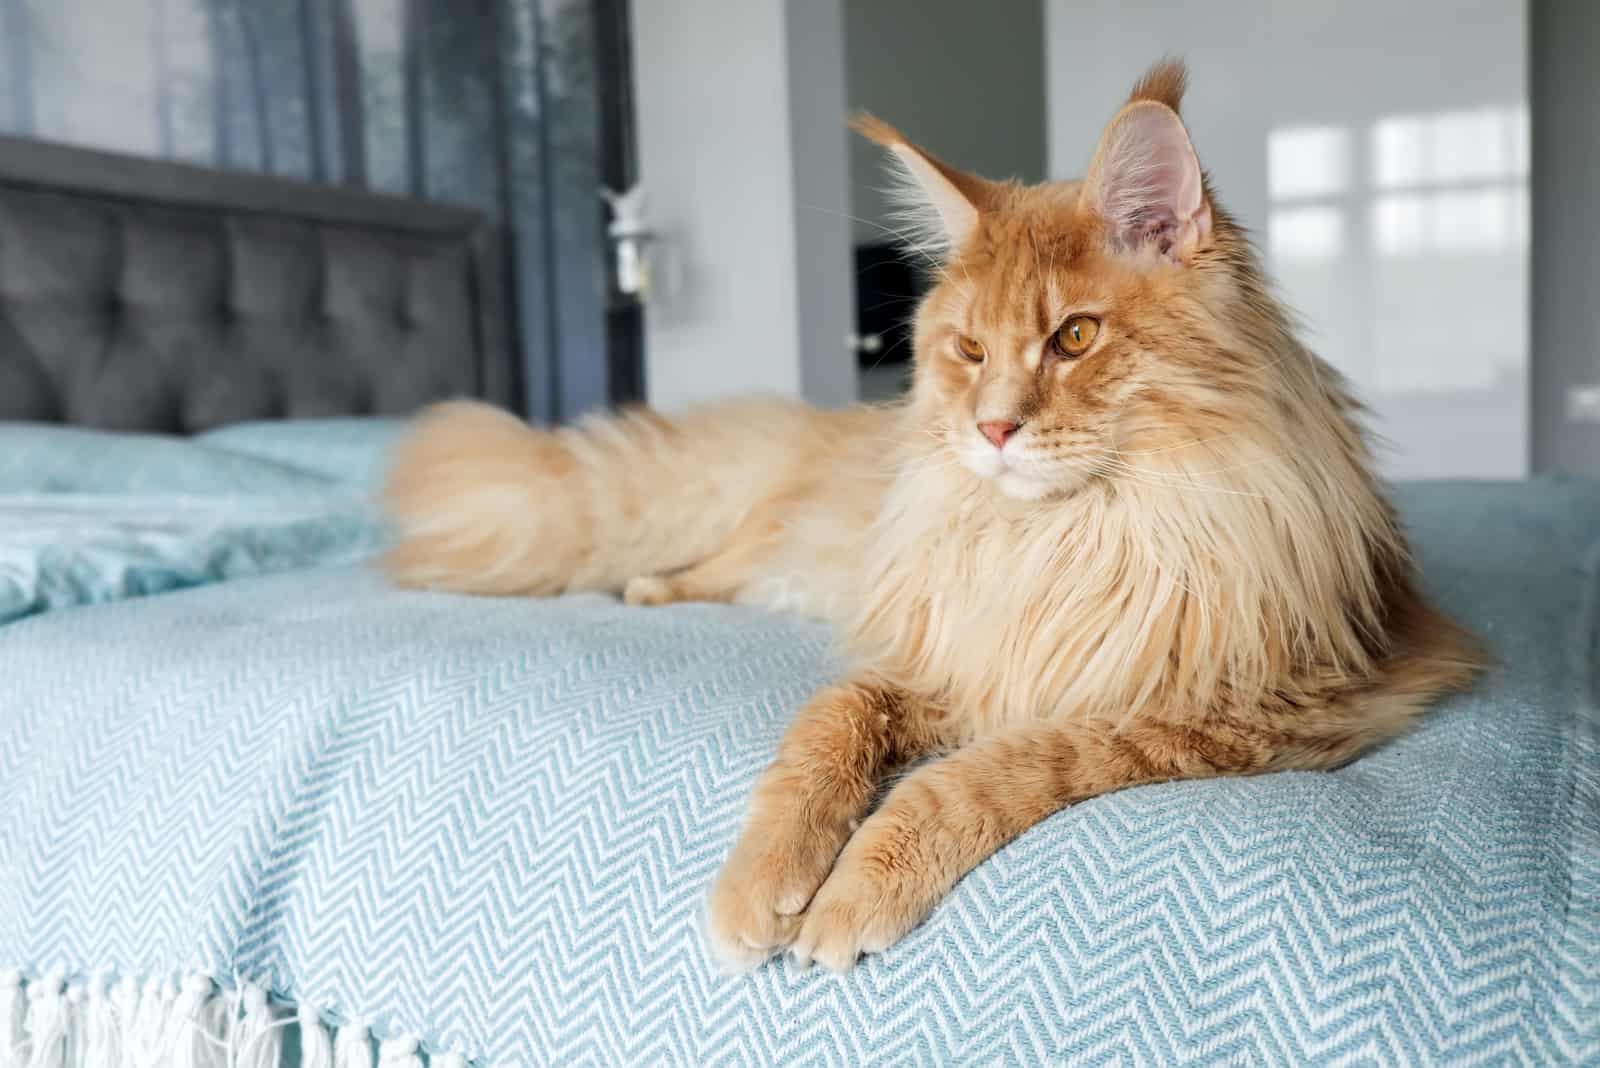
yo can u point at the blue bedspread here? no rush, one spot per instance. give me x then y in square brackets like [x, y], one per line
[87, 517]
[492, 823]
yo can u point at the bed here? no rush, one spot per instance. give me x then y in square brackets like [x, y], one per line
[257, 807]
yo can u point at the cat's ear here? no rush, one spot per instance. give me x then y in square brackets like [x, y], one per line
[939, 206]
[1145, 181]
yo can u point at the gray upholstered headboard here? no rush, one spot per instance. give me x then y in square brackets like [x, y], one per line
[142, 295]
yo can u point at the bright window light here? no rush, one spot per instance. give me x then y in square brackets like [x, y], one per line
[1307, 161]
[1400, 225]
[1484, 144]
[1306, 233]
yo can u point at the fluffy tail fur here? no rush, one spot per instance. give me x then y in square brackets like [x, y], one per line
[486, 504]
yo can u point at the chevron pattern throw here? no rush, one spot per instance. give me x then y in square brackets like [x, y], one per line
[491, 824]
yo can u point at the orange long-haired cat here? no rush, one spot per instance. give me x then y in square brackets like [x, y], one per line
[1123, 530]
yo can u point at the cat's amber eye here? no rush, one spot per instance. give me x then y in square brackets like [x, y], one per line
[970, 347]
[1075, 335]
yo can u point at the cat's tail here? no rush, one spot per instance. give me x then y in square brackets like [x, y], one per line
[1432, 656]
[484, 503]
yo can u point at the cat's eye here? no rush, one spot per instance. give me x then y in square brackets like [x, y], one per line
[970, 347]
[1075, 336]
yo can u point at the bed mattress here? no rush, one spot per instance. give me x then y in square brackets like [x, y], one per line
[482, 830]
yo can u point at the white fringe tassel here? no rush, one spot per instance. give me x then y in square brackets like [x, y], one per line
[13, 1030]
[45, 1023]
[399, 1053]
[316, 1048]
[102, 1039]
[353, 1047]
[124, 1013]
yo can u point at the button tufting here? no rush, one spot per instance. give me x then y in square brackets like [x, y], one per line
[148, 335]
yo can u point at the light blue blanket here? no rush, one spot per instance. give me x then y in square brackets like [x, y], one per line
[492, 822]
[87, 517]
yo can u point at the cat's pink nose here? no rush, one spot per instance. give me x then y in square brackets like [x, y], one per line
[997, 432]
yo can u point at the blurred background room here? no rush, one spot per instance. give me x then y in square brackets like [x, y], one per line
[1419, 177]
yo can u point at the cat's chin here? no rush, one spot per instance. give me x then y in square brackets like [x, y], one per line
[1023, 487]
[1010, 480]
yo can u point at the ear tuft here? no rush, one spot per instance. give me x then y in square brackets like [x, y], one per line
[936, 206]
[876, 130]
[1145, 184]
[1163, 83]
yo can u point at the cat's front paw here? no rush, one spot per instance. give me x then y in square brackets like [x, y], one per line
[759, 896]
[865, 906]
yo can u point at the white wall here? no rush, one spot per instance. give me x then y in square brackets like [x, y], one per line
[963, 79]
[740, 111]
[1379, 152]
[819, 162]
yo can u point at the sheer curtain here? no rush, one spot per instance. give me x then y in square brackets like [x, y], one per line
[492, 103]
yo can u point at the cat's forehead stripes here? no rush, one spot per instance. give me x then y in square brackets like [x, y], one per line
[1010, 296]
[1025, 283]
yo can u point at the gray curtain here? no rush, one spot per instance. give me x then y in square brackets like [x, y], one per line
[491, 103]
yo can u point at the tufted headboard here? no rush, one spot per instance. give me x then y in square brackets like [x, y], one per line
[143, 295]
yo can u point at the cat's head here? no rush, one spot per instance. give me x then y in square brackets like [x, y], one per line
[1073, 323]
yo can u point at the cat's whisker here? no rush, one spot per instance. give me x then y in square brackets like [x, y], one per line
[1125, 455]
[1224, 469]
[884, 355]
[1120, 469]
[904, 238]
[1181, 445]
